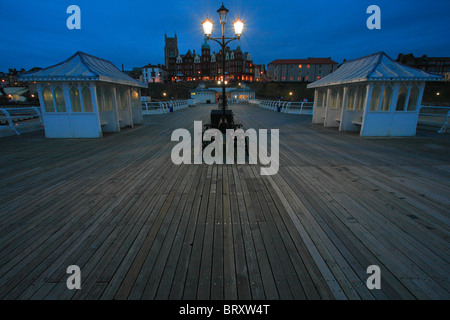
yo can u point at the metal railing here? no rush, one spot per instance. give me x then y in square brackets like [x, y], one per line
[299, 108]
[288, 106]
[17, 118]
[163, 106]
[237, 101]
[436, 117]
[153, 108]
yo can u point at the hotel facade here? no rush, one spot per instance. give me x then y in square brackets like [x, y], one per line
[206, 66]
[300, 70]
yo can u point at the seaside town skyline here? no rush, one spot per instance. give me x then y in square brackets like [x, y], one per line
[132, 33]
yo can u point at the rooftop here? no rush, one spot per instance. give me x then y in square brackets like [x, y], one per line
[82, 67]
[304, 61]
[374, 67]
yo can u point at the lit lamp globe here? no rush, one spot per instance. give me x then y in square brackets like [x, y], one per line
[238, 27]
[207, 27]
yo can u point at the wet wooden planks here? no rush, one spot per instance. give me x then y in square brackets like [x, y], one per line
[140, 227]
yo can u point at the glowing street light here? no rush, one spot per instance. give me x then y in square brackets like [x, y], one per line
[223, 41]
[207, 27]
[238, 27]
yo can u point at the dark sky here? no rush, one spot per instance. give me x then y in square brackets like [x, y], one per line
[131, 32]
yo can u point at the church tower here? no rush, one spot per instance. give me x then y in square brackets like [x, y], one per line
[170, 53]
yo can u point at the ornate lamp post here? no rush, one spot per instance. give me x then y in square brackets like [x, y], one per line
[223, 41]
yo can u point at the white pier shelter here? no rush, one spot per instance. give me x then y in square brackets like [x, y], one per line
[84, 96]
[374, 95]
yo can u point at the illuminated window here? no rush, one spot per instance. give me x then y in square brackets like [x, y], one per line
[134, 99]
[108, 98]
[333, 98]
[75, 99]
[360, 98]
[401, 99]
[319, 98]
[48, 100]
[339, 99]
[307, 66]
[413, 97]
[375, 100]
[325, 97]
[87, 99]
[386, 101]
[299, 66]
[350, 98]
[59, 99]
[123, 98]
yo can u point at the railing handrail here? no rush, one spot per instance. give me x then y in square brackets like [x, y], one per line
[434, 107]
[442, 125]
[164, 106]
[285, 105]
[14, 125]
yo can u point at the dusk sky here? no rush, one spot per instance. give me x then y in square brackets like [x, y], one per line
[131, 32]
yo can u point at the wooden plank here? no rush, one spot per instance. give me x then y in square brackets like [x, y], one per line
[141, 227]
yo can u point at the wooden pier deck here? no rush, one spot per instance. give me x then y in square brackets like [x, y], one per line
[140, 227]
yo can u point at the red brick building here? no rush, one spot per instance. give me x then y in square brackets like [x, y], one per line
[207, 66]
[440, 65]
[300, 70]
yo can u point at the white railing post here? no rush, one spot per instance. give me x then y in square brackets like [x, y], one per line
[443, 129]
[11, 121]
[39, 114]
[442, 126]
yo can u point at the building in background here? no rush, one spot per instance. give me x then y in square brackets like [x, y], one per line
[154, 74]
[300, 70]
[439, 65]
[170, 53]
[242, 93]
[201, 94]
[260, 72]
[206, 66]
[10, 78]
[136, 73]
